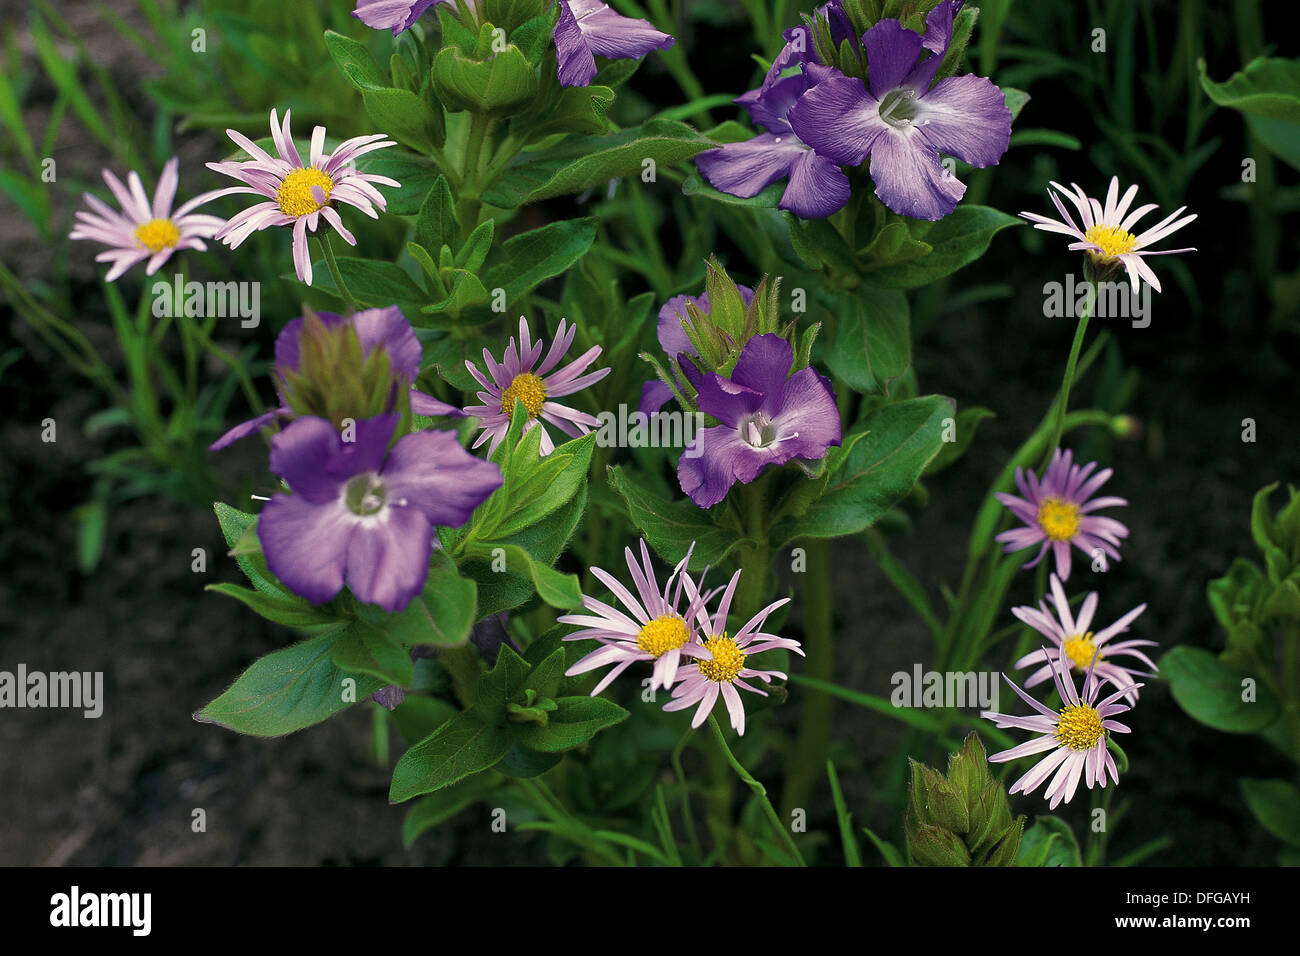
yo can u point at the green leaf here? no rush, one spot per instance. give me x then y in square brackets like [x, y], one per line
[373, 284]
[957, 240]
[406, 117]
[1276, 805]
[539, 487]
[875, 467]
[435, 808]
[574, 721]
[443, 614]
[416, 174]
[362, 648]
[768, 198]
[555, 588]
[355, 61]
[529, 259]
[1049, 842]
[671, 526]
[464, 745]
[1211, 692]
[289, 610]
[499, 86]
[501, 685]
[589, 161]
[436, 226]
[873, 343]
[521, 761]
[1268, 87]
[287, 690]
[235, 525]
[965, 426]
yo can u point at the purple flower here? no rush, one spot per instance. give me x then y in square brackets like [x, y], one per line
[799, 48]
[673, 319]
[363, 514]
[376, 328]
[766, 419]
[902, 122]
[397, 15]
[817, 186]
[1056, 512]
[589, 27]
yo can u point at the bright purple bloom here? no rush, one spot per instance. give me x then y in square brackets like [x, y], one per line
[1074, 646]
[363, 514]
[590, 27]
[1057, 513]
[768, 417]
[903, 122]
[799, 48]
[817, 186]
[397, 15]
[673, 319]
[376, 328]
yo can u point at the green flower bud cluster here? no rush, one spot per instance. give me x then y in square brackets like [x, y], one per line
[963, 819]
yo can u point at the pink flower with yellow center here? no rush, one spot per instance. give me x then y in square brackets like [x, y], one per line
[1057, 513]
[144, 230]
[1074, 738]
[1077, 648]
[518, 376]
[724, 666]
[299, 194]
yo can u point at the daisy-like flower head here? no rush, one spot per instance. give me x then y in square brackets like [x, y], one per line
[144, 230]
[1106, 234]
[722, 667]
[1075, 738]
[1076, 647]
[1057, 512]
[300, 194]
[519, 376]
[656, 630]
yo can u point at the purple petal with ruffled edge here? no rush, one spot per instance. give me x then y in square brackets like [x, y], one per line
[909, 178]
[588, 27]
[395, 15]
[746, 169]
[818, 187]
[244, 429]
[967, 117]
[762, 367]
[839, 119]
[432, 471]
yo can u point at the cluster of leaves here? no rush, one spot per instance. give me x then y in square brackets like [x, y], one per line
[1251, 686]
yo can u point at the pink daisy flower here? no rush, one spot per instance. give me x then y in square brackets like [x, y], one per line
[144, 230]
[1057, 513]
[1105, 234]
[1079, 648]
[656, 631]
[300, 194]
[519, 376]
[720, 670]
[1075, 738]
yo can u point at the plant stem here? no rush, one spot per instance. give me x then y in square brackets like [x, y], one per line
[687, 818]
[759, 791]
[809, 755]
[333, 266]
[1067, 383]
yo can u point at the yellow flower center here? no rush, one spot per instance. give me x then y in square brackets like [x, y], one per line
[663, 634]
[1080, 650]
[295, 198]
[1079, 727]
[727, 661]
[1058, 519]
[529, 389]
[1112, 240]
[157, 234]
